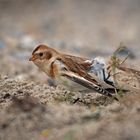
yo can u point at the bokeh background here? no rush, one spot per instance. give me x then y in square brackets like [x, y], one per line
[86, 28]
[32, 110]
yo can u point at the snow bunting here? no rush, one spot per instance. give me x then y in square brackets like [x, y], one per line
[86, 72]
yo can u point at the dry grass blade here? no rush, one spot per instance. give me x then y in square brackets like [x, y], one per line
[115, 63]
[115, 68]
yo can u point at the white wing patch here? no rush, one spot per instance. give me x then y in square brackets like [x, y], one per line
[98, 68]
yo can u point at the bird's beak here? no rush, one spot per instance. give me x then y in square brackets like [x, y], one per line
[33, 58]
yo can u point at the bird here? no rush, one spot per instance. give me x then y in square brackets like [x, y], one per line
[81, 71]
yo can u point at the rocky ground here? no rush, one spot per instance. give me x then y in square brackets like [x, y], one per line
[29, 107]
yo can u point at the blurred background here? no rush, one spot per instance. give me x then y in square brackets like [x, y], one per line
[86, 28]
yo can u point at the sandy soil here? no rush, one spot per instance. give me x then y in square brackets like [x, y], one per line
[37, 111]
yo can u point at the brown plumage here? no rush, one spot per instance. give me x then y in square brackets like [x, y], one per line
[56, 64]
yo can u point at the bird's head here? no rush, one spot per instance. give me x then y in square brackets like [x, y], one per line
[43, 55]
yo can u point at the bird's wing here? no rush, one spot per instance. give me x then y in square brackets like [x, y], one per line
[81, 66]
[101, 82]
[87, 80]
[86, 83]
[74, 62]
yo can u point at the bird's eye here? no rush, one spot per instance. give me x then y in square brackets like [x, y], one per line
[40, 54]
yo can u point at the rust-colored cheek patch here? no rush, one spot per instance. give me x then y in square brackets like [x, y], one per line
[48, 55]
